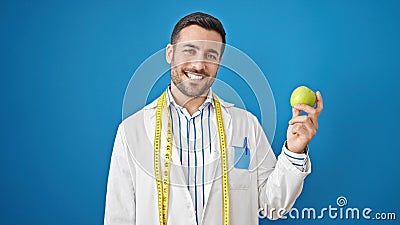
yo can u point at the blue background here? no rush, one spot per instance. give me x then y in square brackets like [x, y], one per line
[65, 65]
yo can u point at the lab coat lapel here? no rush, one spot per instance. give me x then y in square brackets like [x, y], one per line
[211, 169]
[182, 201]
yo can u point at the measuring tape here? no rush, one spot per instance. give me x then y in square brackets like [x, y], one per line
[163, 181]
[224, 162]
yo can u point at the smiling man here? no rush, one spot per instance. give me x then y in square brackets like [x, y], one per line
[189, 158]
[194, 54]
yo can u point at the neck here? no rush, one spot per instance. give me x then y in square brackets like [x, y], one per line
[191, 104]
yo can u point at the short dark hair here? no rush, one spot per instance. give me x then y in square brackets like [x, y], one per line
[203, 20]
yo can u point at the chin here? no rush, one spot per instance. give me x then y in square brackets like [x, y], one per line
[190, 92]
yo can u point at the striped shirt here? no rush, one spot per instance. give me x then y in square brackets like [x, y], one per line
[196, 136]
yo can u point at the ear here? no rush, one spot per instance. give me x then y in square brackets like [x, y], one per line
[169, 53]
[219, 66]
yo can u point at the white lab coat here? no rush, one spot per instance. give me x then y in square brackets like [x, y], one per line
[132, 192]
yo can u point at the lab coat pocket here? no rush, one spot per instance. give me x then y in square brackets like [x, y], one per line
[239, 175]
[242, 157]
[239, 179]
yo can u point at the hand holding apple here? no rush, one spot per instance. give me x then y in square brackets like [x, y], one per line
[303, 128]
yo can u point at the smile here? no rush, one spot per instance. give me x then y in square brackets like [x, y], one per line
[194, 77]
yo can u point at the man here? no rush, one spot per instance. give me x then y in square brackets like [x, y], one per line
[190, 158]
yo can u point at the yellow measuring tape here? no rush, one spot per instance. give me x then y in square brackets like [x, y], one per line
[224, 163]
[163, 181]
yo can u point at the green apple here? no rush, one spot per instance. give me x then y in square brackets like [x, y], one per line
[303, 95]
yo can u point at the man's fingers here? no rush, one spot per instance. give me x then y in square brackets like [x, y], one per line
[320, 102]
[307, 130]
[312, 112]
[310, 128]
[298, 119]
[303, 122]
[295, 112]
[295, 128]
[298, 129]
[306, 108]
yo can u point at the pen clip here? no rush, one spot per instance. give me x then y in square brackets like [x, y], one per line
[245, 144]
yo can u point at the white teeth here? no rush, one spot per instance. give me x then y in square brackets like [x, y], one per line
[194, 77]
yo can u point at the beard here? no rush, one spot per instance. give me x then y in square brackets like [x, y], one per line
[188, 87]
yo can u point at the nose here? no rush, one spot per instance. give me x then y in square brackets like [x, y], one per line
[199, 65]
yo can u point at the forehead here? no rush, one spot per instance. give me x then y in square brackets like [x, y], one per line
[197, 36]
[195, 33]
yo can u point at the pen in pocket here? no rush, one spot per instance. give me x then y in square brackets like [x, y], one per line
[245, 145]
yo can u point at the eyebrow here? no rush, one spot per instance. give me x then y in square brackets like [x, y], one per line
[196, 47]
[191, 45]
[213, 51]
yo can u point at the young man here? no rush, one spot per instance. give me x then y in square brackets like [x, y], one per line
[190, 158]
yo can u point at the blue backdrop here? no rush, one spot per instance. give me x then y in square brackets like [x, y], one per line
[65, 65]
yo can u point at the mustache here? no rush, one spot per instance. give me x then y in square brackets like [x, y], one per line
[192, 70]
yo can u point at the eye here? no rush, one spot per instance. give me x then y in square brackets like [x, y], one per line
[211, 56]
[189, 51]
